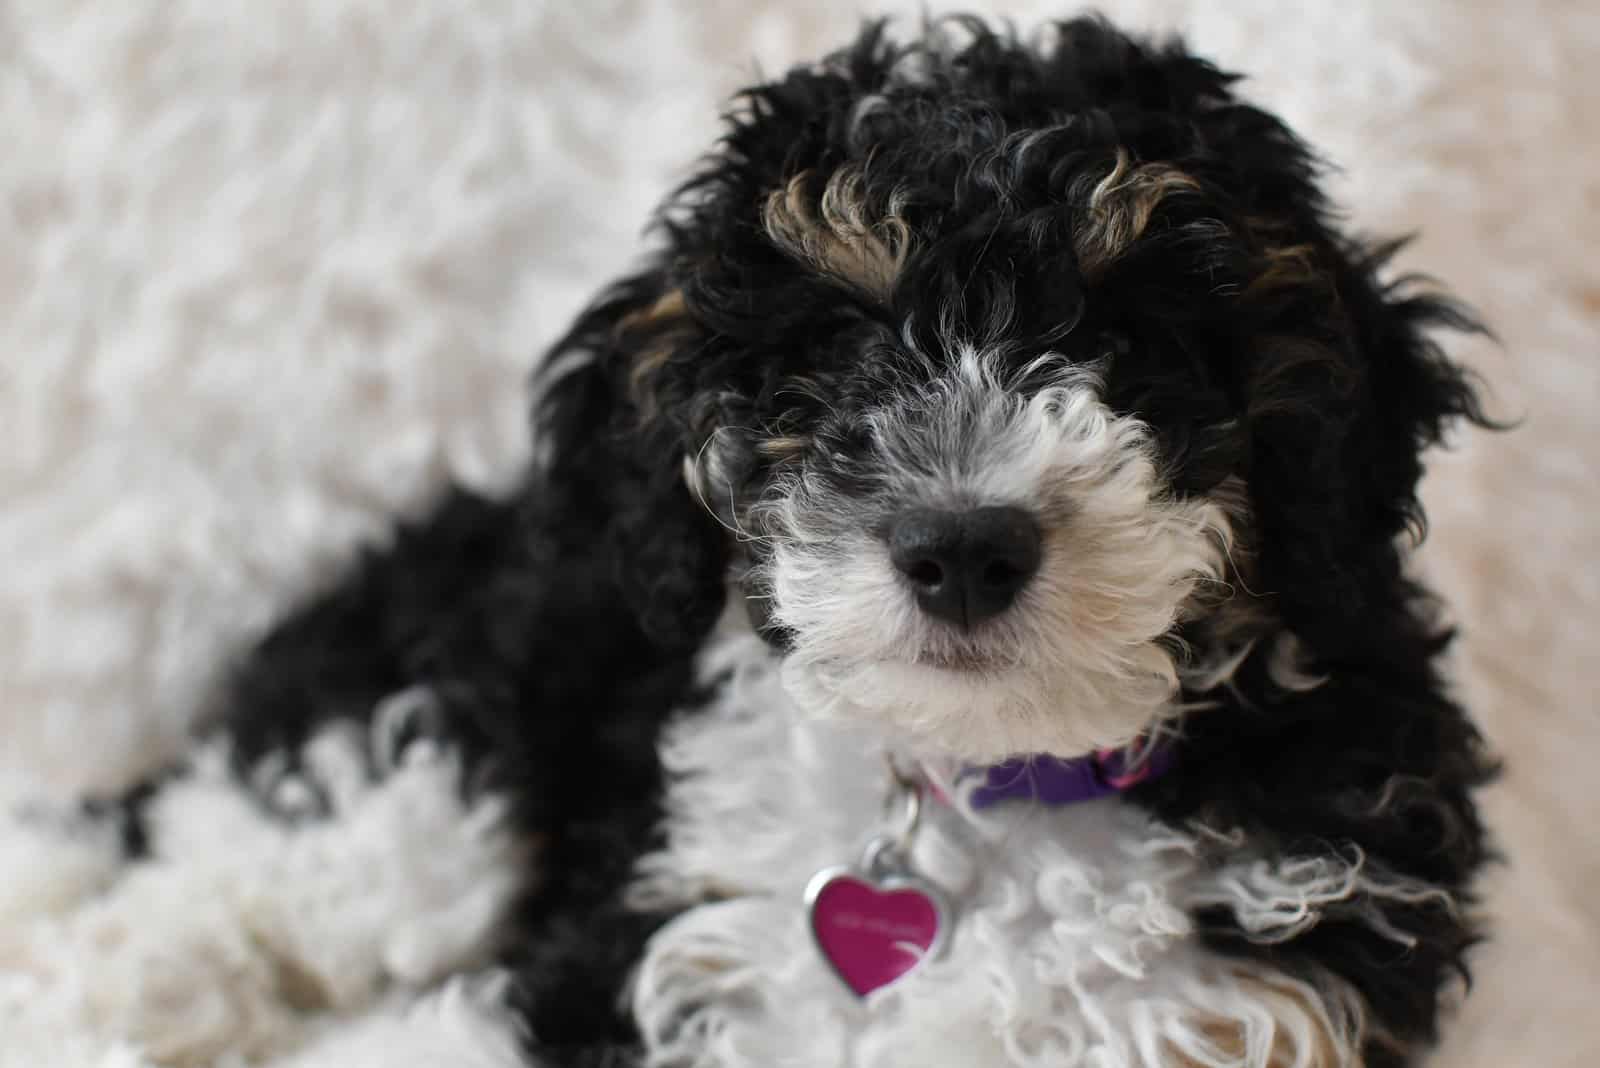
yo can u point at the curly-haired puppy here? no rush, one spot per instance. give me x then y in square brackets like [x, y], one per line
[999, 427]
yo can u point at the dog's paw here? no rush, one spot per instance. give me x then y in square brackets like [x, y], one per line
[344, 760]
[326, 882]
[467, 1023]
[412, 724]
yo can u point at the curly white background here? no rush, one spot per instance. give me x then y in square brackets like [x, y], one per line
[271, 273]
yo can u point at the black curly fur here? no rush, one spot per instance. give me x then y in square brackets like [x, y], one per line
[559, 627]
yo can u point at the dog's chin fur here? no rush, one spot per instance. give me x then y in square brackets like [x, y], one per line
[1083, 659]
[984, 714]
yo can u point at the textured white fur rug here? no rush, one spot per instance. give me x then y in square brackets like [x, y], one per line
[273, 272]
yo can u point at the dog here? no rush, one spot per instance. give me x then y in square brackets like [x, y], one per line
[957, 612]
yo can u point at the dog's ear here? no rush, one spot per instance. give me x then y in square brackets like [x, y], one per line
[1337, 368]
[608, 450]
[1346, 386]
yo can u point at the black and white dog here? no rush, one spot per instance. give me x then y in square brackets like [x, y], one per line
[1000, 428]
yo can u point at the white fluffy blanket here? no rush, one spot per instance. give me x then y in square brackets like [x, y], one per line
[273, 272]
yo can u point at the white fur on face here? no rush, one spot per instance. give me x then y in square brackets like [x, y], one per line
[1078, 662]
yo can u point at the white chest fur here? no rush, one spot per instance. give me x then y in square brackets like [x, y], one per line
[1072, 942]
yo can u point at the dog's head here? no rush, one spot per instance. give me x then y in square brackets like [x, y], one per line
[1027, 390]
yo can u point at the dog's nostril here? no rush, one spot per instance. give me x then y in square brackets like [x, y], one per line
[965, 566]
[926, 573]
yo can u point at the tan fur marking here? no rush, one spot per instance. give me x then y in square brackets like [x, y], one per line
[1287, 266]
[659, 328]
[780, 448]
[836, 235]
[668, 308]
[1119, 208]
[1227, 1039]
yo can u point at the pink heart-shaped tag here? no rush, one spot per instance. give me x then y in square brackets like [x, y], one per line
[874, 933]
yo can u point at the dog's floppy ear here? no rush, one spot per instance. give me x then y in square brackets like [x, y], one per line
[605, 446]
[1346, 386]
[1337, 369]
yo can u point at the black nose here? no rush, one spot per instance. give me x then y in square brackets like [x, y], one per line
[965, 566]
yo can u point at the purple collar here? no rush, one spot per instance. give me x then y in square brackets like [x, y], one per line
[1053, 780]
